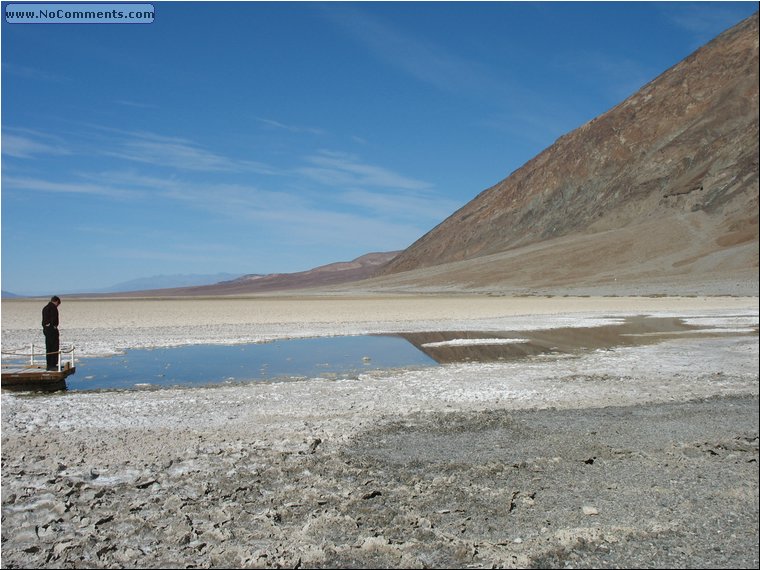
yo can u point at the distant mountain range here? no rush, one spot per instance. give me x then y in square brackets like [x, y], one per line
[168, 281]
[9, 295]
[145, 283]
[338, 273]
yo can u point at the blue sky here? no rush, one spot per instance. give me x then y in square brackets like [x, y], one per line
[274, 137]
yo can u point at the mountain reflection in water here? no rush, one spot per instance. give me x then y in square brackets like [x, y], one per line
[349, 356]
[471, 346]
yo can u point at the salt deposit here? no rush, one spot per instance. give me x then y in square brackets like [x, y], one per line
[474, 464]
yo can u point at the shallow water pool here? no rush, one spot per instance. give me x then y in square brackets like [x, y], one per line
[323, 357]
[348, 356]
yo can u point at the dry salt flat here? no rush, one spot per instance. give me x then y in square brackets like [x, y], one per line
[105, 326]
[630, 456]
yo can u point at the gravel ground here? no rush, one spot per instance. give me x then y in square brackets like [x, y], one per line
[636, 456]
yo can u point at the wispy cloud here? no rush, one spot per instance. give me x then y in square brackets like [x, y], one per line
[131, 179]
[36, 74]
[173, 152]
[358, 191]
[40, 185]
[28, 143]
[361, 218]
[401, 205]
[318, 226]
[492, 90]
[424, 60]
[290, 128]
[536, 130]
[168, 254]
[237, 201]
[135, 104]
[612, 76]
[703, 20]
[325, 198]
[339, 169]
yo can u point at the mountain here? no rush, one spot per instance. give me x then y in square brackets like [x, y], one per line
[165, 281]
[662, 189]
[8, 295]
[332, 274]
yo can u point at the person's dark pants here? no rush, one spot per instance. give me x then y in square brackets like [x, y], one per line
[52, 346]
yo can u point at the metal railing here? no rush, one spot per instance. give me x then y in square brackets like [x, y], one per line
[33, 355]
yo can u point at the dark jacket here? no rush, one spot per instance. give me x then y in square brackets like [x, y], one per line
[50, 315]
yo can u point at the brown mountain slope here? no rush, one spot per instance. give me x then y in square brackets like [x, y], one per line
[332, 274]
[664, 184]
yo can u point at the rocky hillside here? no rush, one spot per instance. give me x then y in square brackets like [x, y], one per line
[666, 181]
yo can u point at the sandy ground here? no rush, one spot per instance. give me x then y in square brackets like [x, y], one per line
[635, 456]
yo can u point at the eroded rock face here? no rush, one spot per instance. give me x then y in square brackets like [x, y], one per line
[683, 149]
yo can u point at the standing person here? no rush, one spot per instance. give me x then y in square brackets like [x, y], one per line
[50, 328]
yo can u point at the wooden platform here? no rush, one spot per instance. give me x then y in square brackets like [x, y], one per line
[26, 377]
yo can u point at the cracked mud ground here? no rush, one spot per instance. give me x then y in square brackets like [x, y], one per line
[662, 485]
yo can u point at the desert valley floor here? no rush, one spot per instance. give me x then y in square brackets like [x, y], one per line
[642, 455]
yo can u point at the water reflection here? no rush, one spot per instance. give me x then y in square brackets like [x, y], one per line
[348, 356]
[471, 346]
[326, 357]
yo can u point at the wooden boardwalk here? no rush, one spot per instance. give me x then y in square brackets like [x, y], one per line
[33, 376]
[27, 377]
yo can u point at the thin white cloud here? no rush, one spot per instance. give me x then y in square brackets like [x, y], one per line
[338, 169]
[290, 128]
[703, 20]
[175, 152]
[353, 183]
[26, 72]
[170, 152]
[135, 104]
[401, 205]
[131, 179]
[39, 185]
[298, 217]
[368, 205]
[321, 226]
[162, 254]
[614, 77]
[28, 143]
[237, 202]
[424, 60]
[536, 130]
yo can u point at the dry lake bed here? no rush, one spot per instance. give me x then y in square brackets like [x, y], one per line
[544, 432]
